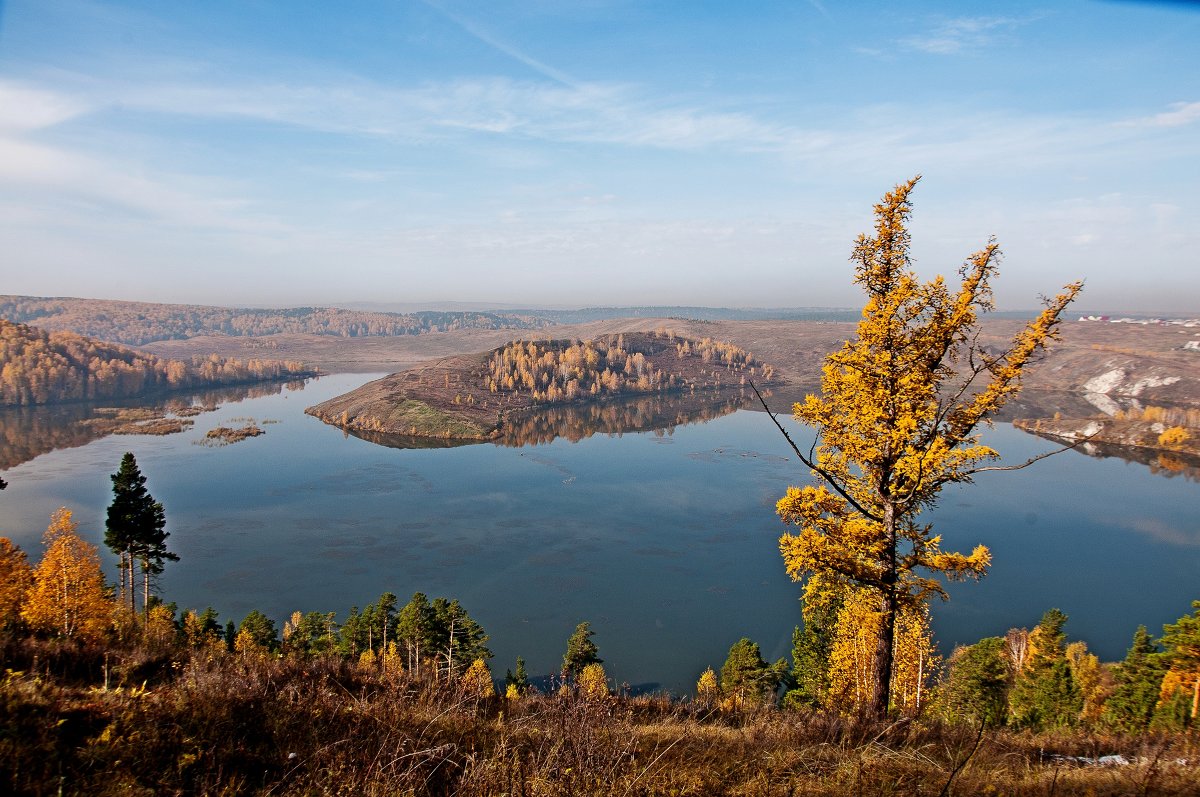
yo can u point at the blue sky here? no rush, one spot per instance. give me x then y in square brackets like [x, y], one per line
[533, 152]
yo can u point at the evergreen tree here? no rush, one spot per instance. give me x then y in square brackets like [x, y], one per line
[746, 679]
[260, 630]
[1139, 677]
[414, 630]
[976, 688]
[1181, 651]
[812, 644]
[581, 651]
[136, 530]
[1045, 694]
[518, 680]
[456, 638]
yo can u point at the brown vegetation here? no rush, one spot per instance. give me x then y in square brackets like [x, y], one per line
[207, 721]
[224, 435]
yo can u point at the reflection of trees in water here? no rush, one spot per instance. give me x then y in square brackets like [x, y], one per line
[659, 413]
[28, 432]
[1170, 464]
[650, 413]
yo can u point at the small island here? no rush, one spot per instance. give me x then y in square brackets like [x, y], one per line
[476, 397]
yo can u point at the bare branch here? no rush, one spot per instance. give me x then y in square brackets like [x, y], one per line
[1031, 460]
[824, 474]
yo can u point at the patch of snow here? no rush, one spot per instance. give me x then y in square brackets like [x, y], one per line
[1106, 382]
[1102, 403]
[1157, 428]
[1151, 381]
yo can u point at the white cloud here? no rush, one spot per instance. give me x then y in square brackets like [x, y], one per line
[954, 36]
[25, 108]
[1181, 113]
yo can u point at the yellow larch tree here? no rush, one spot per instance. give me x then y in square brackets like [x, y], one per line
[16, 576]
[68, 597]
[897, 420]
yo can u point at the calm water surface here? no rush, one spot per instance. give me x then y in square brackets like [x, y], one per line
[665, 541]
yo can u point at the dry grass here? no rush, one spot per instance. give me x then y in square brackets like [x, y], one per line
[199, 722]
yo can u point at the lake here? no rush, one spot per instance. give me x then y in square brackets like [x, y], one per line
[665, 540]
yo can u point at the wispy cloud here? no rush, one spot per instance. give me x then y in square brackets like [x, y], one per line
[1181, 113]
[485, 36]
[962, 34]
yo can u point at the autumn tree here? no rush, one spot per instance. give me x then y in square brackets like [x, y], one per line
[16, 576]
[896, 421]
[136, 529]
[67, 596]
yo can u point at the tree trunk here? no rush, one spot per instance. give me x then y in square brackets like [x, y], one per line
[885, 644]
[146, 590]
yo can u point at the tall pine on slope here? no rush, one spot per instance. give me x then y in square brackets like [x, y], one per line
[1139, 677]
[1045, 694]
[136, 530]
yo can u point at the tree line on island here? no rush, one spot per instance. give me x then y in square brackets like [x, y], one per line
[565, 371]
[40, 367]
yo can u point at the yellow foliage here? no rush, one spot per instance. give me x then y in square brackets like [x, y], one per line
[592, 681]
[16, 576]
[512, 692]
[1090, 678]
[68, 596]
[245, 645]
[1174, 437]
[897, 420]
[477, 680]
[707, 689]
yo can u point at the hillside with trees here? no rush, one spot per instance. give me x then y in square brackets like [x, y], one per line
[40, 367]
[138, 323]
[478, 397]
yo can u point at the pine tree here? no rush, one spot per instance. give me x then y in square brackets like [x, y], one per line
[136, 530]
[1045, 694]
[414, 630]
[1139, 677]
[1181, 651]
[581, 651]
[976, 687]
[259, 631]
[746, 679]
[896, 421]
[519, 680]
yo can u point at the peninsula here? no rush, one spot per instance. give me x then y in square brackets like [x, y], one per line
[475, 397]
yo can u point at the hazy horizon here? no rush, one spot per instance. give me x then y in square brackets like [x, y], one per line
[590, 154]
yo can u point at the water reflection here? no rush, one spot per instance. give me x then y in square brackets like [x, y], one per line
[1170, 464]
[28, 432]
[574, 422]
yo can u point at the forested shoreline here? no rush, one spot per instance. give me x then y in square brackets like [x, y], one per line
[40, 367]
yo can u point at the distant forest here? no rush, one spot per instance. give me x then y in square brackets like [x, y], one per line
[40, 367]
[138, 323]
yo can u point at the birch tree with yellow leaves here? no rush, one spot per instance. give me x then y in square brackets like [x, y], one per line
[897, 419]
[68, 597]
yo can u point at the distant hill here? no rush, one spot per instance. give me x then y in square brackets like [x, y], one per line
[40, 367]
[138, 323]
